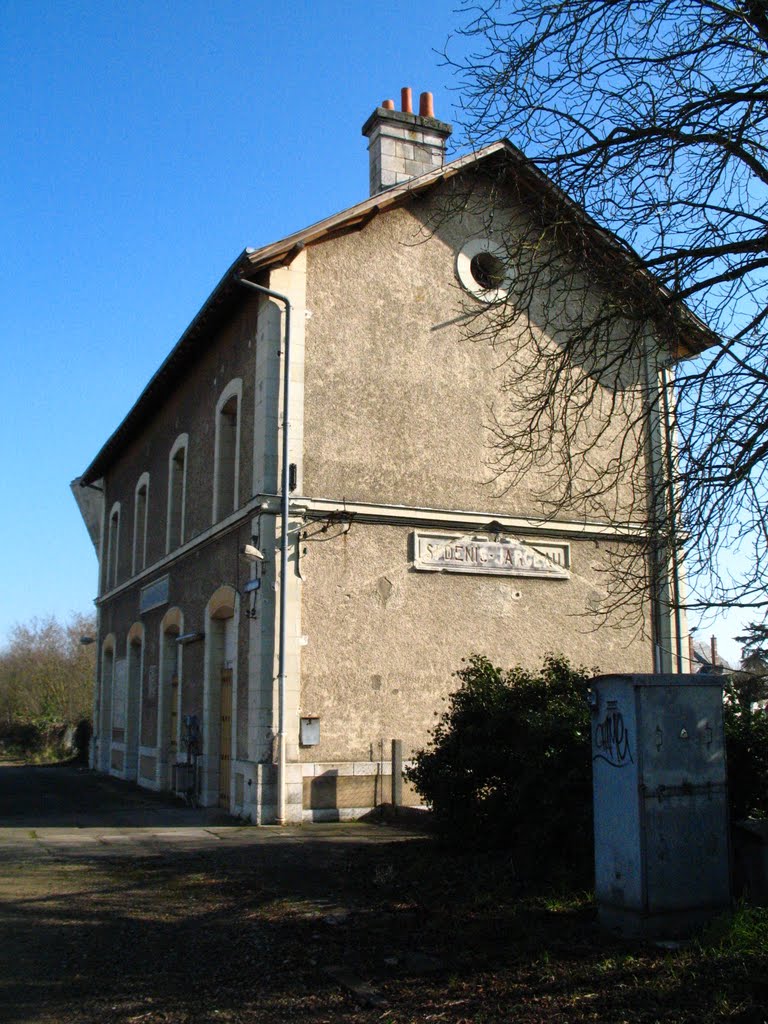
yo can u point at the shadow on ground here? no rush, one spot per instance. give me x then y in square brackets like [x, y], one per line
[332, 926]
[61, 796]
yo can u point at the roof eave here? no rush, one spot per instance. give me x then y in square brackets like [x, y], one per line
[189, 340]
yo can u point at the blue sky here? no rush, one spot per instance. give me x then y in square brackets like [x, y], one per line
[144, 146]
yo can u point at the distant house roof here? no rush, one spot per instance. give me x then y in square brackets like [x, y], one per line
[227, 293]
[702, 660]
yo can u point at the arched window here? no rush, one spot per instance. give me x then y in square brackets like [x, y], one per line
[226, 466]
[140, 523]
[177, 492]
[113, 547]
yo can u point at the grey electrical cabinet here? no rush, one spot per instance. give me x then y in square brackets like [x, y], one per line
[662, 850]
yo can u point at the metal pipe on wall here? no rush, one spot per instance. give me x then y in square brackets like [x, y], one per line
[665, 385]
[666, 561]
[281, 657]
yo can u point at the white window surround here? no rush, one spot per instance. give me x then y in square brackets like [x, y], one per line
[113, 547]
[175, 522]
[473, 248]
[140, 519]
[226, 460]
[104, 721]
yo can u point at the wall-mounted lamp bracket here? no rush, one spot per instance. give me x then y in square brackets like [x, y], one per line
[251, 553]
[189, 638]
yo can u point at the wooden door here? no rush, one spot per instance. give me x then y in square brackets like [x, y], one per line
[225, 738]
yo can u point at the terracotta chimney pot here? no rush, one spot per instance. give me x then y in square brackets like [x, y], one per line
[426, 105]
[403, 145]
[406, 100]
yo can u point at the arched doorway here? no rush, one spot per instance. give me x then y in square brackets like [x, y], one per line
[135, 654]
[169, 696]
[220, 697]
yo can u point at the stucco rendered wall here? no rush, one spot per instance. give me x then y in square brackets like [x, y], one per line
[398, 411]
[383, 639]
[400, 402]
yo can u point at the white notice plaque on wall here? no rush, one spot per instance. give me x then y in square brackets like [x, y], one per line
[154, 595]
[502, 556]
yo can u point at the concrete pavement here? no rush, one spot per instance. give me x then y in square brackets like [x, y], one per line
[65, 811]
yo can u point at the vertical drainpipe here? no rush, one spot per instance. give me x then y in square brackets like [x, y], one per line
[656, 588]
[658, 384]
[670, 470]
[281, 657]
[97, 739]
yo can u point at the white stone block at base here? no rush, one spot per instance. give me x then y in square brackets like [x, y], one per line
[317, 769]
[371, 768]
[336, 814]
[294, 774]
[294, 812]
[333, 768]
[260, 815]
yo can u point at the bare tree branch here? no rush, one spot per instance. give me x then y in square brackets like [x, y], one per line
[652, 115]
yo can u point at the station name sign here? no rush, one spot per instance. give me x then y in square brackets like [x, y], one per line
[154, 595]
[504, 556]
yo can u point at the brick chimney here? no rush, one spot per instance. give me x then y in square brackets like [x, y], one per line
[401, 144]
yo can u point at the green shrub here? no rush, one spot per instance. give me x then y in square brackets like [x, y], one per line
[746, 743]
[45, 742]
[510, 762]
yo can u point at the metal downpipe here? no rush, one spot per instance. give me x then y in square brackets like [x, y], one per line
[672, 505]
[281, 656]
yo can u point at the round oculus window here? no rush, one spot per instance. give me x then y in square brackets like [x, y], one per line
[482, 270]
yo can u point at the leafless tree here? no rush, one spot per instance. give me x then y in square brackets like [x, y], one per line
[46, 673]
[650, 116]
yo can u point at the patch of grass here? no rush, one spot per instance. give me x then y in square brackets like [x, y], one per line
[745, 932]
[565, 901]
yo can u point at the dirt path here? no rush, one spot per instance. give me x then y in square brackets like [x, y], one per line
[121, 905]
[148, 915]
[210, 929]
